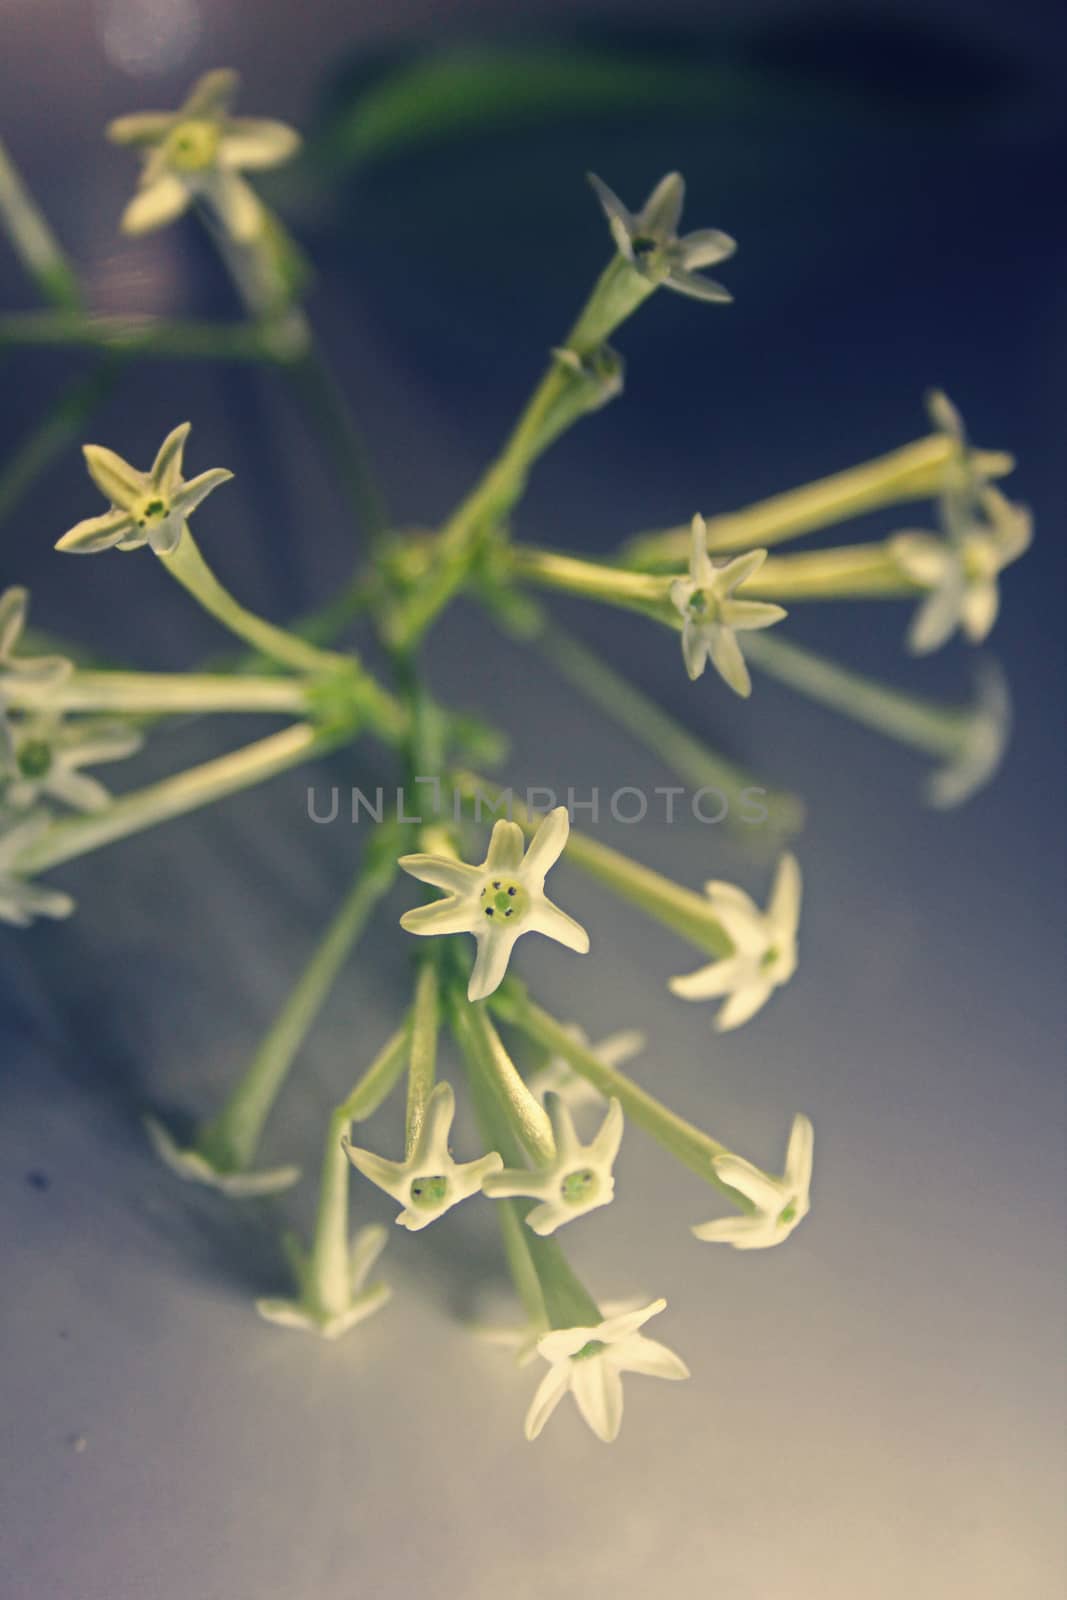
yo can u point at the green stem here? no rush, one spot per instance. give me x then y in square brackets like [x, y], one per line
[147, 336]
[523, 1113]
[687, 1143]
[175, 797]
[422, 1059]
[160, 692]
[318, 391]
[35, 244]
[913, 472]
[686, 756]
[593, 580]
[688, 914]
[230, 1140]
[616, 295]
[325, 1280]
[186, 563]
[850, 572]
[903, 717]
[548, 1288]
[377, 1083]
[61, 428]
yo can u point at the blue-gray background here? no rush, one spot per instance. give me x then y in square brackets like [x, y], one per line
[875, 1409]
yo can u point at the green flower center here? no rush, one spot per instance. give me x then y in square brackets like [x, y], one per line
[153, 510]
[504, 900]
[579, 1186]
[193, 145]
[428, 1192]
[787, 1215]
[35, 759]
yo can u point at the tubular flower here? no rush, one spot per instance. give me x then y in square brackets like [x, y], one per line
[778, 1203]
[589, 1362]
[578, 1180]
[650, 241]
[199, 152]
[499, 900]
[359, 1300]
[765, 947]
[429, 1182]
[712, 617]
[146, 507]
[43, 761]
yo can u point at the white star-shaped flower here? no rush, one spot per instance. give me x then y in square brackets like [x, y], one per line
[194, 1167]
[578, 1180]
[43, 761]
[983, 532]
[199, 152]
[429, 1182]
[146, 507]
[21, 900]
[780, 1203]
[559, 1077]
[498, 901]
[712, 617]
[589, 1363]
[650, 241]
[355, 1302]
[982, 743]
[523, 1338]
[765, 947]
[17, 670]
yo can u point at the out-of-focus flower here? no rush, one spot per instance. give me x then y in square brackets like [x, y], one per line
[779, 1203]
[712, 617]
[650, 241]
[360, 1301]
[22, 900]
[559, 1077]
[146, 507]
[44, 761]
[765, 947]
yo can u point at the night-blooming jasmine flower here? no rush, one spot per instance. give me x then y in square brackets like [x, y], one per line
[779, 1203]
[429, 1182]
[146, 507]
[44, 762]
[357, 1303]
[193, 1166]
[765, 947]
[983, 532]
[650, 241]
[982, 743]
[21, 900]
[523, 1338]
[199, 152]
[578, 1180]
[559, 1077]
[498, 901]
[589, 1362]
[712, 617]
[16, 670]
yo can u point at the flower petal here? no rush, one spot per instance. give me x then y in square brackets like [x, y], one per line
[546, 846]
[649, 1357]
[491, 962]
[799, 1154]
[749, 614]
[662, 211]
[96, 533]
[623, 226]
[367, 1246]
[442, 873]
[190, 495]
[546, 918]
[783, 907]
[936, 618]
[706, 247]
[14, 603]
[606, 1142]
[728, 661]
[140, 127]
[764, 1191]
[944, 415]
[744, 1233]
[701, 567]
[431, 1147]
[550, 1391]
[511, 1181]
[77, 789]
[743, 1004]
[166, 469]
[597, 1388]
[236, 204]
[978, 609]
[211, 94]
[696, 287]
[442, 917]
[696, 646]
[505, 847]
[738, 570]
[156, 204]
[707, 983]
[257, 142]
[392, 1176]
[624, 1323]
[545, 1219]
[117, 481]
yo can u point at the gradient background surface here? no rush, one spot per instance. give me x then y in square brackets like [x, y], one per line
[875, 1410]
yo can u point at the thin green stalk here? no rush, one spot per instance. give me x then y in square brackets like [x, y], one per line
[688, 914]
[377, 1083]
[686, 756]
[422, 1058]
[186, 563]
[522, 1111]
[161, 693]
[594, 580]
[35, 244]
[146, 336]
[230, 1140]
[913, 472]
[904, 717]
[849, 572]
[177, 796]
[316, 388]
[324, 1279]
[61, 427]
[617, 293]
[548, 1288]
[696, 1149]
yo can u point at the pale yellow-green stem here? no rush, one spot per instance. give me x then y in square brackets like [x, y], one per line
[160, 693]
[146, 336]
[686, 913]
[177, 796]
[35, 244]
[422, 1055]
[913, 472]
[847, 572]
